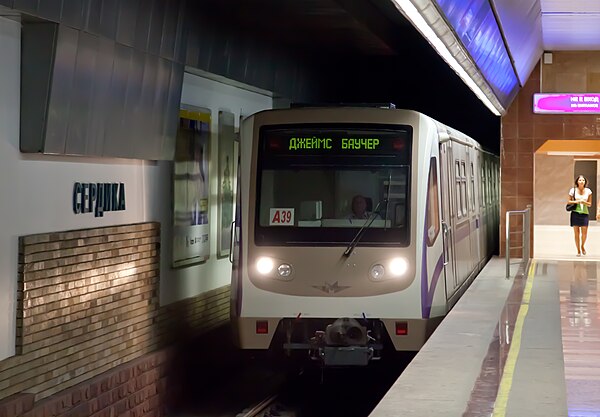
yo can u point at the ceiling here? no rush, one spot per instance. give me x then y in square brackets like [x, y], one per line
[379, 28]
[329, 26]
[569, 25]
[533, 26]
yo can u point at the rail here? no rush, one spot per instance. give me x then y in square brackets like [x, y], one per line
[525, 232]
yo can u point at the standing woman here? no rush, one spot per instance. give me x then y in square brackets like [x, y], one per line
[582, 196]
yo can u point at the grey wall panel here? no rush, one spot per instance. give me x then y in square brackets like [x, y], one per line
[240, 49]
[261, 69]
[101, 99]
[192, 46]
[146, 122]
[180, 33]
[37, 45]
[116, 87]
[59, 105]
[169, 30]
[30, 6]
[75, 13]
[159, 103]
[128, 10]
[111, 85]
[284, 78]
[7, 3]
[81, 94]
[142, 25]
[218, 60]
[206, 38]
[181, 38]
[50, 9]
[155, 34]
[122, 70]
[172, 112]
[103, 18]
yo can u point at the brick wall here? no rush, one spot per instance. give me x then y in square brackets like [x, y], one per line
[88, 307]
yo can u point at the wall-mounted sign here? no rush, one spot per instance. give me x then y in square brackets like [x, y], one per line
[566, 103]
[191, 187]
[98, 198]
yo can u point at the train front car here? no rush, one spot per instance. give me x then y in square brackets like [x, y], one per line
[339, 250]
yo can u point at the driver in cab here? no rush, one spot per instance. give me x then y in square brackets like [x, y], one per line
[359, 209]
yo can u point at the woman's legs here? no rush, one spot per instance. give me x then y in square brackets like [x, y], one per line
[576, 230]
[583, 238]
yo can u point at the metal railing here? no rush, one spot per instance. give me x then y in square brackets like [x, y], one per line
[525, 231]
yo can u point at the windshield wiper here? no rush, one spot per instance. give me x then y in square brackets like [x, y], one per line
[361, 231]
[387, 198]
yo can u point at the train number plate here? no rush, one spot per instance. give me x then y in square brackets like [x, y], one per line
[281, 217]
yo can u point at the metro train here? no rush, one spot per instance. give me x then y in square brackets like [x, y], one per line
[310, 276]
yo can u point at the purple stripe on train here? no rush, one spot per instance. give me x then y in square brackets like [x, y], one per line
[426, 290]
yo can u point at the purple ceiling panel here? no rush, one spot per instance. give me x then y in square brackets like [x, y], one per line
[475, 25]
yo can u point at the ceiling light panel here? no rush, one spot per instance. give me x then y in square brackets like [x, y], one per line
[571, 32]
[521, 23]
[428, 20]
[474, 23]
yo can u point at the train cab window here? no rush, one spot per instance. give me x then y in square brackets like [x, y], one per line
[322, 183]
[433, 210]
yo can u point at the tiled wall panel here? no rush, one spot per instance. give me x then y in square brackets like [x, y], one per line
[91, 336]
[523, 132]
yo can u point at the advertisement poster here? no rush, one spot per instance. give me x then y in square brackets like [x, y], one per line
[191, 208]
[227, 137]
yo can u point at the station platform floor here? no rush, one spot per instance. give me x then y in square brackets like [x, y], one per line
[526, 346]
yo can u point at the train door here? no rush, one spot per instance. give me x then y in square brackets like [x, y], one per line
[447, 189]
[462, 226]
[483, 218]
[474, 216]
[235, 249]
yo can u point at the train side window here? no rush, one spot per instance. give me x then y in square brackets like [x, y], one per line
[433, 211]
[459, 213]
[486, 169]
[490, 180]
[463, 187]
[472, 187]
[481, 184]
[496, 193]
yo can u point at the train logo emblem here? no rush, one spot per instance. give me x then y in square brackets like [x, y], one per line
[331, 288]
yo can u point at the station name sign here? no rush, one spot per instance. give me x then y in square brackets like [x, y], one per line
[551, 103]
[98, 197]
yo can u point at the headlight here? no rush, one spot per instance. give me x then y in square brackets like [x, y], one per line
[284, 270]
[264, 265]
[398, 267]
[377, 271]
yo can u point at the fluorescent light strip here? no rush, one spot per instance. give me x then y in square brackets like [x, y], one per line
[415, 17]
[572, 153]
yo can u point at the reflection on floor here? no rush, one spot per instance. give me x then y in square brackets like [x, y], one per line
[580, 322]
[558, 242]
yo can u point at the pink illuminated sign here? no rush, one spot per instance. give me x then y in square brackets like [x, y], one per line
[566, 103]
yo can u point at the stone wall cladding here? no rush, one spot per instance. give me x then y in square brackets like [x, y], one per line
[91, 337]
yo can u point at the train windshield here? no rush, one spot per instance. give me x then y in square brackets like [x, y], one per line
[319, 184]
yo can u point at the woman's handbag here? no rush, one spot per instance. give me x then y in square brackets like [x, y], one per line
[571, 206]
